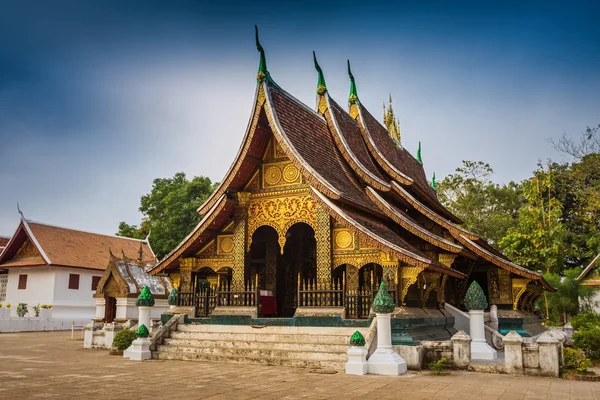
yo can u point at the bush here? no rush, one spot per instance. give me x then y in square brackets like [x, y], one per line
[587, 320]
[575, 360]
[552, 323]
[36, 310]
[588, 340]
[123, 339]
[438, 366]
[22, 310]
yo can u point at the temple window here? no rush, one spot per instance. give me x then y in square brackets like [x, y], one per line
[74, 281]
[22, 282]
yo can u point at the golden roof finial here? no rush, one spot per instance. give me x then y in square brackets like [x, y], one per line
[391, 122]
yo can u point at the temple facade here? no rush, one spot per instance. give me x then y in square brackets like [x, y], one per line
[319, 206]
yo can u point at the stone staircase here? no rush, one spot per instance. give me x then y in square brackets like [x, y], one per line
[309, 347]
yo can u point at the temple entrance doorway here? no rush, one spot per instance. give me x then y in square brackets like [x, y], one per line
[277, 271]
[110, 309]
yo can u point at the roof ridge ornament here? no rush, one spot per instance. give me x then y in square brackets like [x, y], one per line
[321, 86]
[262, 66]
[419, 159]
[21, 212]
[433, 182]
[353, 95]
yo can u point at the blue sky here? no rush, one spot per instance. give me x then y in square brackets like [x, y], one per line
[99, 98]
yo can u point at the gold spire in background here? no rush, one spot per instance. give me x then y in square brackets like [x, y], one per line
[391, 122]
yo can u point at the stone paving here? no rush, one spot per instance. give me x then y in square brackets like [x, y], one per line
[49, 365]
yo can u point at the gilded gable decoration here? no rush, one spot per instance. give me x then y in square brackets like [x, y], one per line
[280, 213]
[28, 249]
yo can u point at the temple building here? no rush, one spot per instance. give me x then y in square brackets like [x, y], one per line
[62, 267]
[319, 206]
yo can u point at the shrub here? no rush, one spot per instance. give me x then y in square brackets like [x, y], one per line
[588, 340]
[438, 366]
[22, 310]
[36, 310]
[575, 360]
[123, 339]
[586, 320]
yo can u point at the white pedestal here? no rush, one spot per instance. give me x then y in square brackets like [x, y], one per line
[385, 361]
[480, 350]
[357, 361]
[144, 316]
[139, 350]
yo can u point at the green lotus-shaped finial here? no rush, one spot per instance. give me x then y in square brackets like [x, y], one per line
[145, 299]
[172, 300]
[357, 339]
[142, 331]
[383, 302]
[475, 298]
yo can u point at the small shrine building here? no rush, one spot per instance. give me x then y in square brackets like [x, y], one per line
[319, 206]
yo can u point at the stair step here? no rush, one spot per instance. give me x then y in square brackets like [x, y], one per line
[255, 352]
[305, 363]
[262, 337]
[228, 344]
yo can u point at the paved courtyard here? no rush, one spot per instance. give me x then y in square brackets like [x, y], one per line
[48, 365]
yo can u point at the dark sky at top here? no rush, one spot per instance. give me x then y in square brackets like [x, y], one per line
[99, 98]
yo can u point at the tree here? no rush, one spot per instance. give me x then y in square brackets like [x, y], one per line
[588, 143]
[486, 208]
[578, 190]
[536, 241]
[169, 211]
[568, 296]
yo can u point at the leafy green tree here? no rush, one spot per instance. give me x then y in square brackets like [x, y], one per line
[486, 208]
[169, 211]
[570, 294]
[578, 190]
[536, 241]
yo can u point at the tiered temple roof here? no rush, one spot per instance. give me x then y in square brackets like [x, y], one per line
[355, 170]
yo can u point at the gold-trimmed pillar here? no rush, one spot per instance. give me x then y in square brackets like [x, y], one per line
[323, 239]
[446, 259]
[408, 277]
[186, 265]
[431, 280]
[519, 286]
[240, 230]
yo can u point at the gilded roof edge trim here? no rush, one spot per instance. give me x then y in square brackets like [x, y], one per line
[504, 264]
[455, 230]
[239, 158]
[197, 231]
[405, 222]
[349, 155]
[380, 243]
[299, 162]
[383, 162]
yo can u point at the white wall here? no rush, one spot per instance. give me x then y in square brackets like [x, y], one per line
[74, 303]
[39, 290]
[50, 285]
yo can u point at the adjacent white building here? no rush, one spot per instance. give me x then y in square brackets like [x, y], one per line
[591, 277]
[47, 264]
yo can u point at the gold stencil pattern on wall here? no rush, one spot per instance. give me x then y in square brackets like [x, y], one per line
[280, 174]
[281, 213]
[344, 239]
[225, 244]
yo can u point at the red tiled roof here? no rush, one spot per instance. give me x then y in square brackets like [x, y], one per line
[71, 248]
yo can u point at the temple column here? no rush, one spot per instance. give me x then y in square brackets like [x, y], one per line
[271, 254]
[430, 282]
[323, 239]
[408, 277]
[390, 274]
[240, 233]
[186, 265]
[446, 259]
